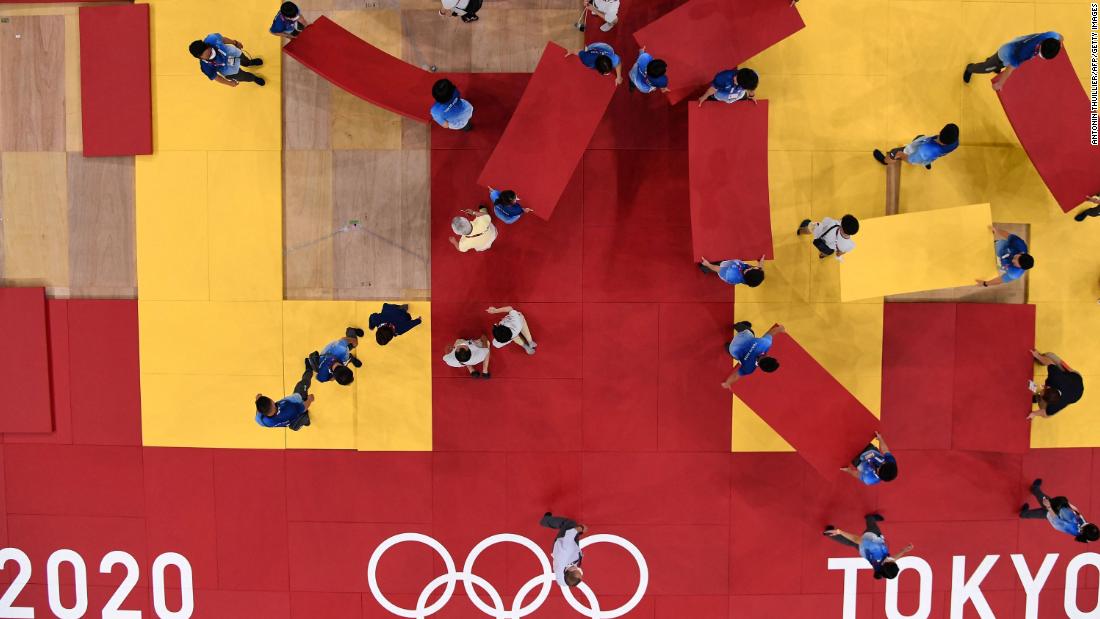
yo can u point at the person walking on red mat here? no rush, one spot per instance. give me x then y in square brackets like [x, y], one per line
[749, 351]
[392, 321]
[463, 9]
[289, 21]
[332, 362]
[450, 110]
[567, 550]
[874, 464]
[648, 74]
[1063, 386]
[872, 546]
[602, 58]
[1061, 514]
[221, 59]
[477, 234]
[468, 354]
[1016, 52]
[731, 86]
[1012, 258]
[923, 150]
[512, 328]
[831, 237]
[735, 272]
[506, 205]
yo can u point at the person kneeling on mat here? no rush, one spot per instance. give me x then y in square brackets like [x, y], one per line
[506, 205]
[450, 110]
[467, 354]
[831, 236]
[874, 464]
[288, 22]
[1063, 385]
[732, 86]
[735, 272]
[392, 321]
[332, 362]
[872, 546]
[221, 59]
[602, 58]
[648, 74]
[923, 150]
[1012, 258]
[749, 351]
[466, 9]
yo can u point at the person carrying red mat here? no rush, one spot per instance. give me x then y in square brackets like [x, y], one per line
[602, 58]
[648, 74]
[731, 86]
[1016, 52]
[750, 352]
[289, 22]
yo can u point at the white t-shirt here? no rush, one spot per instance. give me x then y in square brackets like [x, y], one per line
[832, 237]
[456, 6]
[566, 554]
[477, 354]
[515, 323]
[610, 9]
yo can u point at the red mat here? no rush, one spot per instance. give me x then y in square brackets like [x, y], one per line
[104, 372]
[180, 514]
[24, 361]
[805, 405]
[728, 163]
[547, 135]
[494, 97]
[57, 311]
[704, 37]
[364, 70]
[250, 504]
[83, 480]
[1054, 128]
[116, 100]
[917, 394]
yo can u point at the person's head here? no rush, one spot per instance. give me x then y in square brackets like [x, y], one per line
[289, 10]
[1024, 261]
[1050, 395]
[462, 354]
[383, 334]
[573, 576]
[604, 64]
[767, 364]
[1090, 532]
[443, 91]
[747, 79]
[461, 226]
[888, 471]
[343, 375]
[753, 276]
[849, 224]
[502, 333]
[507, 197]
[888, 570]
[656, 68]
[949, 134]
[265, 405]
[1049, 48]
[199, 49]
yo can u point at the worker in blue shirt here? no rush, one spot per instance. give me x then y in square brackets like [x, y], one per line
[1061, 514]
[874, 464]
[924, 149]
[289, 412]
[506, 205]
[648, 73]
[221, 59]
[1012, 258]
[332, 362]
[735, 272]
[392, 321]
[450, 110]
[288, 22]
[602, 58]
[749, 351]
[731, 86]
[872, 546]
[1016, 52]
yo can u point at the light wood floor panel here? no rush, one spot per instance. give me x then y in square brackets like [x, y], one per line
[357, 124]
[443, 41]
[101, 226]
[524, 33]
[307, 108]
[35, 211]
[307, 196]
[32, 83]
[74, 131]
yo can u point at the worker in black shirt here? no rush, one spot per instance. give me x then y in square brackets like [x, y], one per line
[1062, 388]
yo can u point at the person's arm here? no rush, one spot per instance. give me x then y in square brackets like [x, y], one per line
[302, 20]
[499, 310]
[776, 329]
[846, 535]
[904, 551]
[1041, 358]
[838, 253]
[882, 443]
[1041, 413]
[1094, 199]
[985, 283]
[751, 96]
[710, 92]
[760, 262]
[733, 377]
[618, 74]
[308, 401]
[223, 80]
[488, 353]
[854, 472]
[232, 42]
[998, 233]
[454, 241]
[999, 81]
[1046, 504]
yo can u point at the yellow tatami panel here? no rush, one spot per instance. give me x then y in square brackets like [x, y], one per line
[983, 119]
[172, 231]
[175, 23]
[309, 326]
[801, 106]
[1076, 425]
[1065, 329]
[750, 433]
[1065, 268]
[913, 252]
[394, 397]
[232, 339]
[216, 410]
[834, 42]
[246, 225]
[1073, 21]
[193, 113]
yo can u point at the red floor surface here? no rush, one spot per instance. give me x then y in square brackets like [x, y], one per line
[24, 361]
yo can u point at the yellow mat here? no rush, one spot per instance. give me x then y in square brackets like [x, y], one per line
[912, 252]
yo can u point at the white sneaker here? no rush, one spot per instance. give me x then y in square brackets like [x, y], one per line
[607, 26]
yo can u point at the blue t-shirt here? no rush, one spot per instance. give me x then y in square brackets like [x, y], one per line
[508, 213]
[728, 91]
[282, 25]
[1066, 521]
[1006, 249]
[747, 348]
[732, 271]
[924, 150]
[286, 410]
[336, 351]
[643, 82]
[456, 112]
[589, 55]
[873, 548]
[1021, 49]
[869, 461]
[226, 60]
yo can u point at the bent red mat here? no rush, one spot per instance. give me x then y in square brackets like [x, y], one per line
[1055, 129]
[116, 102]
[704, 37]
[549, 131]
[24, 361]
[728, 172]
[364, 70]
[809, 408]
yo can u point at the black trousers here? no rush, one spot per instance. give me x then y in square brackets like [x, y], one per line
[302, 388]
[992, 64]
[856, 461]
[872, 527]
[242, 76]
[1057, 503]
[559, 523]
[1089, 212]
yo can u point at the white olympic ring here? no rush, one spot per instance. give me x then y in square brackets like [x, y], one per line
[498, 610]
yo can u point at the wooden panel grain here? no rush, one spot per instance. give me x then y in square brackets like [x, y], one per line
[357, 124]
[36, 232]
[32, 83]
[307, 103]
[307, 231]
[102, 259]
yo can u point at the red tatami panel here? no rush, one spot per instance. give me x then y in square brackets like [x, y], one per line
[116, 95]
[180, 514]
[57, 313]
[656, 488]
[91, 537]
[333, 556]
[761, 488]
[962, 485]
[635, 186]
[105, 370]
[918, 374]
[219, 604]
[359, 486]
[24, 361]
[309, 605]
[250, 506]
[74, 480]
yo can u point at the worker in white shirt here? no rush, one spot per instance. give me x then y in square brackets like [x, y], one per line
[567, 551]
[466, 9]
[607, 10]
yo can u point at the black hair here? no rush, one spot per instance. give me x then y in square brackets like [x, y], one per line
[343, 375]
[888, 471]
[443, 90]
[197, 48]
[289, 10]
[1051, 395]
[656, 68]
[949, 134]
[849, 224]
[463, 354]
[263, 403]
[1090, 532]
[502, 334]
[753, 277]
[889, 570]
[384, 334]
[1049, 48]
[604, 64]
[768, 364]
[572, 579]
[506, 197]
[747, 79]
[1026, 261]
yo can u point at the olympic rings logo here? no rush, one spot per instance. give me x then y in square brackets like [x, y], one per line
[498, 609]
